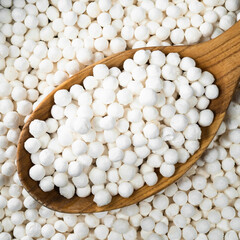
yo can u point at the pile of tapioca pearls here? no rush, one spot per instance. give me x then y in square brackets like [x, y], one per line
[108, 137]
[40, 47]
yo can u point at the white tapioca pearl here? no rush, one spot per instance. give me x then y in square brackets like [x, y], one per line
[151, 130]
[107, 123]
[124, 96]
[115, 154]
[179, 122]
[148, 97]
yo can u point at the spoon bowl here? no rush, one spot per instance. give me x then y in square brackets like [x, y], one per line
[219, 56]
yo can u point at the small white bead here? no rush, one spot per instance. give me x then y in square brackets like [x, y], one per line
[151, 131]
[81, 125]
[100, 71]
[107, 123]
[115, 154]
[80, 181]
[102, 197]
[205, 118]
[123, 142]
[117, 45]
[212, 91]
[193, 74]
[138, 14]
[125, 189]
[95, 149]
[192, 35]
[32, 145]
[150, 178]
[167, 170]
[124, 97]
[179, 122]
[171, 156]
[46, 157]
[97, 176]
[60, 179]
[37, 172]
[75, 169]
[46, 184]
[130, 157]
[148, 97]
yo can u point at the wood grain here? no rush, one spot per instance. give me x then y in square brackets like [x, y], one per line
[219, 56]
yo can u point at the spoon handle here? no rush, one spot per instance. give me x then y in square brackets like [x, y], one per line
[223, 61]
[220, 55]
[225, 50]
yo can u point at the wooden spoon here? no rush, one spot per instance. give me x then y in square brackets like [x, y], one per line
[220, 56]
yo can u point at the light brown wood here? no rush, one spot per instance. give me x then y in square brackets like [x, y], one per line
[219, 56]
